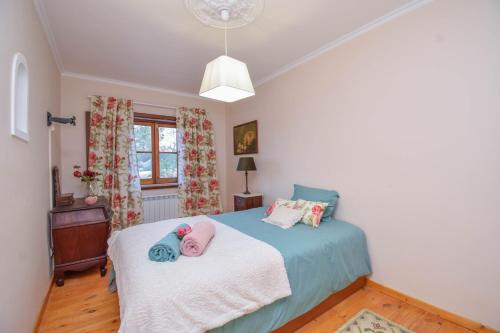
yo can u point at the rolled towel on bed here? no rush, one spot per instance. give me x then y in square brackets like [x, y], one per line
[195, 243]
[167, 248]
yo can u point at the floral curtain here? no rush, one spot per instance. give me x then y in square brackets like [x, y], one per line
[198, 185]
[112, 155]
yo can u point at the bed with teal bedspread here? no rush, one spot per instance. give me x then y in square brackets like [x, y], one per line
[318, 261]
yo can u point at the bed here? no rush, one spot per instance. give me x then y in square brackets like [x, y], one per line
[319, 262]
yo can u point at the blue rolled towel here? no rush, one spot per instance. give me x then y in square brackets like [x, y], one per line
[168, 248]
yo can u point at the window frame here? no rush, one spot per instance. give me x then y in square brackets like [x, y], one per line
[156, 122]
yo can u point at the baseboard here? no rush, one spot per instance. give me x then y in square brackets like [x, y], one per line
[38, 321]
[459, 320]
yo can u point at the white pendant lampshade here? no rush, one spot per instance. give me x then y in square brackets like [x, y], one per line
[226, 79]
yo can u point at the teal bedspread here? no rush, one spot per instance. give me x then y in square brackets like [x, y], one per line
[318, 261]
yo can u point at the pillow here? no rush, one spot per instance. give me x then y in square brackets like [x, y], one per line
[312, 211]
[317, 194]
[280, 203]
[284, 217]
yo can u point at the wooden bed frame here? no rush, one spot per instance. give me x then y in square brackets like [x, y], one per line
[322, 307]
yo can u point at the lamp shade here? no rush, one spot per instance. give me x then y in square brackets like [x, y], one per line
[226, 79]
[246, 164]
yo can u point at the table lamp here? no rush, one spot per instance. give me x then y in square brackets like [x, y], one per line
[246, 164]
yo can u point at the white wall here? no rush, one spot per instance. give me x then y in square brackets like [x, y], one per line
[25, 194]
[404, 121]
[74, 101]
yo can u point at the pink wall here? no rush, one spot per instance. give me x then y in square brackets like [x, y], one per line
[25, 169]
[404, 122]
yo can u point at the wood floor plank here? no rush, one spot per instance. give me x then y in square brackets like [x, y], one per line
[85, 305]
[429, 323]
[406, 315]
[449, 327]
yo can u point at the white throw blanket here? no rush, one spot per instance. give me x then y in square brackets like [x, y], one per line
[236, 275]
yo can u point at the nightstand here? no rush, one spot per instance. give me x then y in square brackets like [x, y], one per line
[79, 234]
[246, 201]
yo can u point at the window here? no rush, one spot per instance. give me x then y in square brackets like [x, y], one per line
[156, 146]
[19, 98]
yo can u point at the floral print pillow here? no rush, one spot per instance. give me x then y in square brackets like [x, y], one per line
[312, 211]
[280, 203]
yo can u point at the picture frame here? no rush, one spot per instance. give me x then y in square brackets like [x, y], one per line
[245, 138]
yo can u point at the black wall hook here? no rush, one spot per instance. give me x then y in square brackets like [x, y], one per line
[60, 120]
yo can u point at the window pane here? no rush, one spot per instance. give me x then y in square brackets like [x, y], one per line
[168, 142]
[168, 165]
[142, 137]
[145, 165]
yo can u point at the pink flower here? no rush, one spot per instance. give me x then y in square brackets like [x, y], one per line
[108, 181]
[189, 203]
[199, 139]
[270, 209]
[77, 173]
[217, 212]
[193, 154]
[118, 159]
[211, 154]
[192, 122]
[207, 124]
[119, 120]
[187, 170]
[200, 170]
[185, 137]
[96, 119]
[109, 141]
[181, 232]
[316, 210]
[92, 158]
[195, 186]
[202, 201]
[131, 216]
[188, 229]
[116, 200]
[213, 184]
[111, 102]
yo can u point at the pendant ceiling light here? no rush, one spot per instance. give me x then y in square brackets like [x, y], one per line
[226, 79]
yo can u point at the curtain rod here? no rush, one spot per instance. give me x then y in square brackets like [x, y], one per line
[150, 104]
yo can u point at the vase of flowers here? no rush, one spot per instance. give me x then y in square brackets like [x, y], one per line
[88, 177]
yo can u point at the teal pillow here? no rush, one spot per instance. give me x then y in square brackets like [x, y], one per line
[317, 194]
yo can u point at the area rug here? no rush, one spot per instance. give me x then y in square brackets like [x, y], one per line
[366, 321]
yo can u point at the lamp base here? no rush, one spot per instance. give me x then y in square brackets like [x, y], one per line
[246, 192]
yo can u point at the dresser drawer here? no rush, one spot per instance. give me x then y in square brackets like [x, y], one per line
[240, 203]
[244, 202]
[78, 217]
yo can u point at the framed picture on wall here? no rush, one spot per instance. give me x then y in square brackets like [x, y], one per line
[245, 138]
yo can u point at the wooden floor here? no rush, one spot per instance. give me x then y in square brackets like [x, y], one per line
[84, 304]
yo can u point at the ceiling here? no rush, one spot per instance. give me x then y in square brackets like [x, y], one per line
[159, 43]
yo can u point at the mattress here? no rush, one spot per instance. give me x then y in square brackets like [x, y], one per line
[318, 261]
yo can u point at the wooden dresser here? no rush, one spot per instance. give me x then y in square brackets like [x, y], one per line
[79, 237]
[246, 201]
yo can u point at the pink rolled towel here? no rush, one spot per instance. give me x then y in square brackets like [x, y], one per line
[195, 243]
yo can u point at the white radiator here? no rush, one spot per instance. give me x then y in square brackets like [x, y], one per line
[160, 207]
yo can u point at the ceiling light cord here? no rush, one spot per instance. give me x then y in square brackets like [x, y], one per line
[225, 39]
